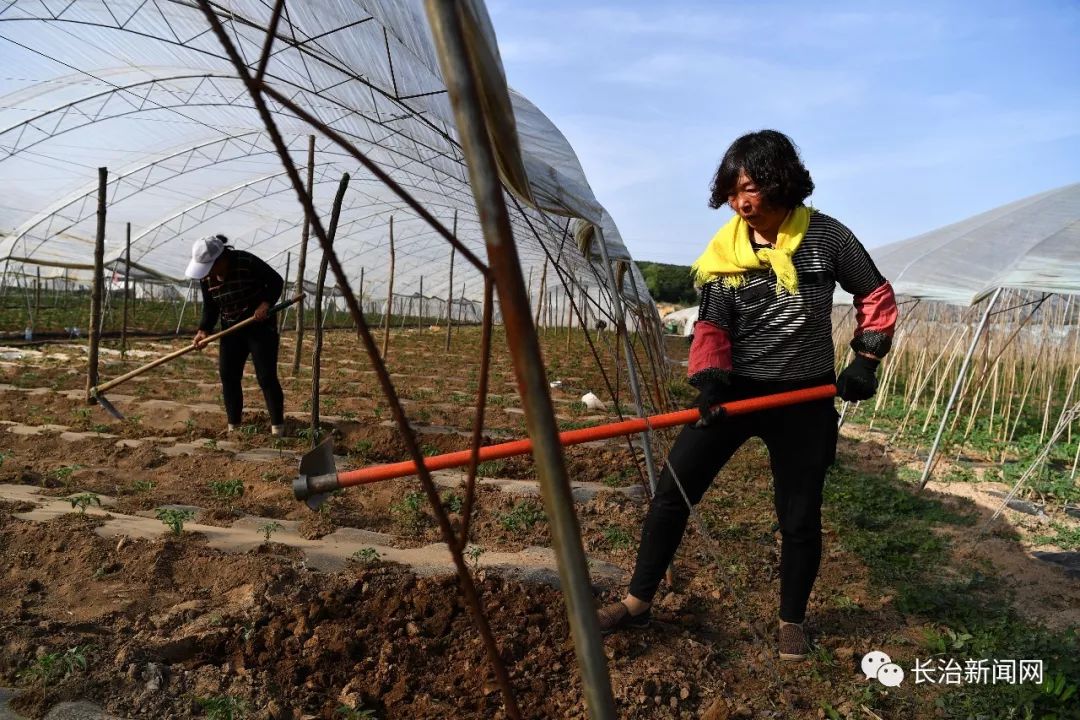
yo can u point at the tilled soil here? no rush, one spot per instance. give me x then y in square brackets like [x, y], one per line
[167, 625]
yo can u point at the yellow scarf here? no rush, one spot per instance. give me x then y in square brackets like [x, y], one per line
[730, 253]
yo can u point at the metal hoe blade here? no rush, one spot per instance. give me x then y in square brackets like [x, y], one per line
[109, 407]
[318, 474]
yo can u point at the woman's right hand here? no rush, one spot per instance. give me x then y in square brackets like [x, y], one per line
[199, 338]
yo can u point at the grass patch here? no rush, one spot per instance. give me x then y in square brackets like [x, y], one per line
[967, 612]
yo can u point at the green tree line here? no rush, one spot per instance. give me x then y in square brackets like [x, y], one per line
[669, 283]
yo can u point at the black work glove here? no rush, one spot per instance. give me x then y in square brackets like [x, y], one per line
[714, 390]
[858, 381]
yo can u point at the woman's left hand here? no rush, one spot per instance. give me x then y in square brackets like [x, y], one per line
[262, 312]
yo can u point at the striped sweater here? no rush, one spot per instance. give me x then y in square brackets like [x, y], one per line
[750, 331]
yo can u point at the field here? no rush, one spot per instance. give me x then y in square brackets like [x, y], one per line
[160, 567]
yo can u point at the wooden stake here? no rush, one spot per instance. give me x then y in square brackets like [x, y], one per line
[96, 288]
[301, 262]
[316, 356]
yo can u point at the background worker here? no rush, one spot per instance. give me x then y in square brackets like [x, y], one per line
[235, 286]
[765, 326]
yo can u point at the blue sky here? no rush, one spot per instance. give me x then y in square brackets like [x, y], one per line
[909, 115]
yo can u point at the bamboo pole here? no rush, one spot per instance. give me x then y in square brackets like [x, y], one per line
[301, 261]
[450, 291]
[389, 296]
[446, 23]
[94, 334]
[37, 301]
[127, 277]
[420, 306]
[541, 295]
[285, 315]
[956, 388]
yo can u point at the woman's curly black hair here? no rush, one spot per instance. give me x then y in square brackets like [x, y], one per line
[772, 162]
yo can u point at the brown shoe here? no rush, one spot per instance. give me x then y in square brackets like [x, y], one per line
[792, 641]
[616, 616]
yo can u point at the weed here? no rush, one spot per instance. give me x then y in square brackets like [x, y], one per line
[348, 415]
[491, 468]
[347, 713]
[211, 443]
[135, 420]
[223, 707]
[100, 428]
[1065, 537]
[56, 666]
[616, 479]
[249, 431]
[4, 456]
[142, 486]
[174, 518]
[310, 434]
[522, 516]
[190, 425]
[409, 512]
[269, 528]
[453, 502]
[84, 500]
[227, 489]
[362, 449]
[618, 538]
[366, 556]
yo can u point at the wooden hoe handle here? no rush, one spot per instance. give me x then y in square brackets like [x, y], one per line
[98, 389]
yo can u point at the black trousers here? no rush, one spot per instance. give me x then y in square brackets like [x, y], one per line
[801, 440]
[261, 341]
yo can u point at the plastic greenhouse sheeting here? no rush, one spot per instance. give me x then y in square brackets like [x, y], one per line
[145, 90]
[1030, 244]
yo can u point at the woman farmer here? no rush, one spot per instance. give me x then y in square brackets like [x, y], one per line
[236, 285]
[765, 326]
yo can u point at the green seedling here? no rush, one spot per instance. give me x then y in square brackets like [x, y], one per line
[135, 420]
[453, 502]
[84, 500]
[366, 556]
[348, 415]
[249, 431]
[268, 529]
[522, 517]
[190, 425]
[63, 474]
[472, 555]
[143, 486]
[347, 713]
[4, 456]
[227, 489]
[212, 443]
[223, 707]
[174, 518]
[409, 512]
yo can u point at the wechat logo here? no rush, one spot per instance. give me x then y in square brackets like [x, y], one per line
[877, 665]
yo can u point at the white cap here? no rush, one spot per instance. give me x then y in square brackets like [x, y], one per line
[203, 254]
